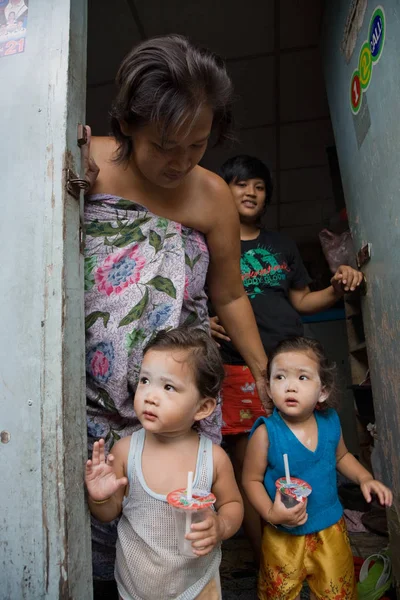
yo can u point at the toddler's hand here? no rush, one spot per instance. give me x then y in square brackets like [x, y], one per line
[292, 517]
[372, 486]
[206, 534]
[100, 478]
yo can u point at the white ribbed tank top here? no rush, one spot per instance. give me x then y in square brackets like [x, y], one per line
[148, 564]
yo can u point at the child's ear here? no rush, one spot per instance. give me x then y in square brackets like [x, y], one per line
[268, 388]
[323, 396]
[205, 409]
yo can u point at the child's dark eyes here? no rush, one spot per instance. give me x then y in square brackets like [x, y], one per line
[169, 387]
[303, 378]
[279, 377]
[144, 380]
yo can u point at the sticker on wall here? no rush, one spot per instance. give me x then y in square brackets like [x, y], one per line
[13, 23]
[377, 32]
[370, 54]
[355, 92]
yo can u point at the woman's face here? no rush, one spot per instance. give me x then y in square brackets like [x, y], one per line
[250, 197]
[166, 163]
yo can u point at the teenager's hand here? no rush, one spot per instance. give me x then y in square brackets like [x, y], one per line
[372, 486]
[100, 479]
[90, 168]
[206, 534]
[217, 331]
[346, 279]
[292, 517]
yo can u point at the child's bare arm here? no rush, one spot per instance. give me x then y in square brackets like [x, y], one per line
[224, 523]
[348, 465]
[254, 467]
[105, 480]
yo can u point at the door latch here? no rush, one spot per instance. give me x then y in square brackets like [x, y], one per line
[364, 255]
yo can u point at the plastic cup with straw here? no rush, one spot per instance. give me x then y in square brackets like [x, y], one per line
[292, 490]
[189, 507]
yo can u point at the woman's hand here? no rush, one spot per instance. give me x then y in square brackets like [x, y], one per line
[90, 168]
[100, 478]
[290, 517]
[266, 401]
[372, 486]
[217, 331]
[346, 279]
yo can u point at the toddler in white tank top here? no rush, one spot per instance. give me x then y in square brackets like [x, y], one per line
[180, 378]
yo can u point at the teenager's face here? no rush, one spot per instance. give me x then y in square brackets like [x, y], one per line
[167, 163]
[295, 385]
[250, 197]
[167, 401]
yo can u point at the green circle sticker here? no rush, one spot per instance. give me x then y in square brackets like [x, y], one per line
[377, 33]
[355, 92]
[365, 65]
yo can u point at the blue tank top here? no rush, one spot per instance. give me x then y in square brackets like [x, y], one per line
[317, 467]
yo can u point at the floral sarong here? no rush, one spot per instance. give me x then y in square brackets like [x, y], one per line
[143, 273]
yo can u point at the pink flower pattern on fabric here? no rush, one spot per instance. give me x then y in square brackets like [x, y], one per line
[119, 270]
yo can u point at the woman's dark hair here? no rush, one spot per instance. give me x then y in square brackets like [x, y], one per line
[167, 80]
[243, 167]
[204, 356]
[326, 368]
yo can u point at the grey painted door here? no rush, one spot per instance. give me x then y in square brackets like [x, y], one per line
[44, 532]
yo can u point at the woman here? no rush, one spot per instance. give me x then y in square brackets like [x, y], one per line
[156, 225]
[276, 282]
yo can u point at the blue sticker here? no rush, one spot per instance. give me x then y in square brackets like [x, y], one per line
[377, 33]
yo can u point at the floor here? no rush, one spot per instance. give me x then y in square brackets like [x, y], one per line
[239, 577]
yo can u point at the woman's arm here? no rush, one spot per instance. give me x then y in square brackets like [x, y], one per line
[226, 290]
[105, 480]
[348, 465]
[254, 468]
[224, 523]
[346, 279]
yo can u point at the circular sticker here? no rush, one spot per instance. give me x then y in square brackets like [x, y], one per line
[355, 92]
[377, 32]
[365, 66]
[200, 499]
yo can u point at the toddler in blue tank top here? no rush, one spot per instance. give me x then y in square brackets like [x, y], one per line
[308, 541]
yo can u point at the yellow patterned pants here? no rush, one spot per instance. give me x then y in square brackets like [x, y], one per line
[324, 559]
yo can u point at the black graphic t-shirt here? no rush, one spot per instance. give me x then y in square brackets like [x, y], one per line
[270, 266]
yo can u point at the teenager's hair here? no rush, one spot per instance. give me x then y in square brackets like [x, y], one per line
[243, 167]
[326, 368]
[167, 80]
[204, 356]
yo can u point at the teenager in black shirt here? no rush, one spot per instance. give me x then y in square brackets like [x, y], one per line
[277, 285]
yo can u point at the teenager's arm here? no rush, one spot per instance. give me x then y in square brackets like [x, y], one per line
[346, 279]
[105, 480]
[349, 466]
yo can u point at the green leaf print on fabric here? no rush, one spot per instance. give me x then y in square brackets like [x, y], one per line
[90, 263]
[170, 235]
[162, 223]
[134, 339]
[126, 238]
[163, 284]
[105, 400]
[191, 263]
[125, 204]
[100, 229]
[155, 240]
[92, 318]
[190, 319]
[136, 312]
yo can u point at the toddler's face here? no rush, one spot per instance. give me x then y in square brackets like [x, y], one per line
[167, 399]
[295, 384]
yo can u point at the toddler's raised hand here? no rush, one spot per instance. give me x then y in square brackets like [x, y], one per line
[292, 517]
[100, 479]
[372, 486]
[206, 534]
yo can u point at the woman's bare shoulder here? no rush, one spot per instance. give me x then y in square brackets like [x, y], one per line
[102, 148]
[215, 192]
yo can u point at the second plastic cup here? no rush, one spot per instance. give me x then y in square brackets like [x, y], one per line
[294, 492]
[187, 512]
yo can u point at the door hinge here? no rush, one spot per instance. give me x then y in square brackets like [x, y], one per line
[75, 184]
